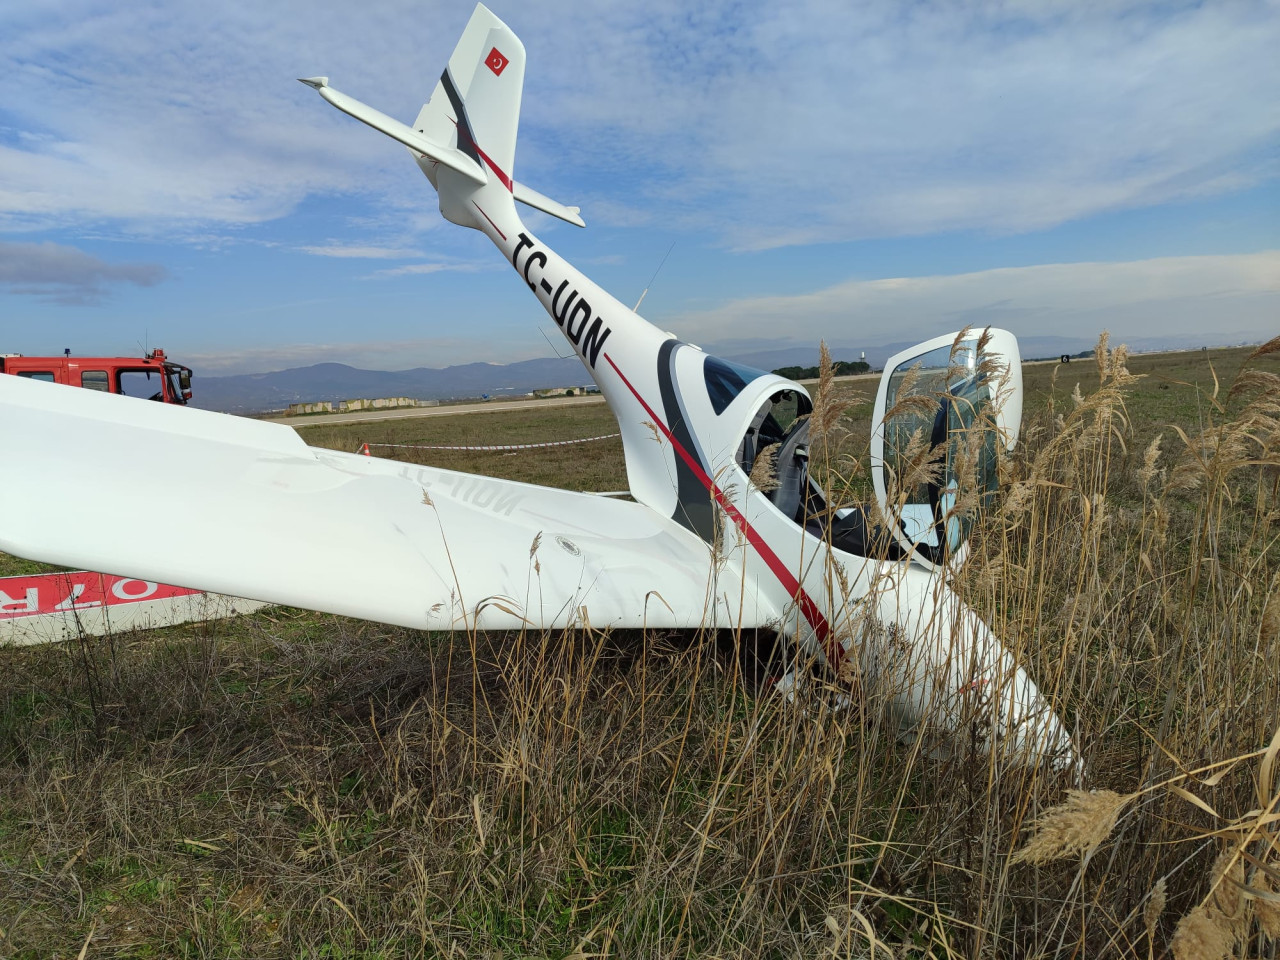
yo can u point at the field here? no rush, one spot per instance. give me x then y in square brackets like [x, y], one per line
[299, 785]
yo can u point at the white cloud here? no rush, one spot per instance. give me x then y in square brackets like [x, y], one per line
[1219, 298]
[367, 355]
[347, 251]
[782, 124]
[161, 115]
[1174, 300]
[67, 274]
[819, 121]
[412, 269]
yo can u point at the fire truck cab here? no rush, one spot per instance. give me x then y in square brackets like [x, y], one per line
[154, 377]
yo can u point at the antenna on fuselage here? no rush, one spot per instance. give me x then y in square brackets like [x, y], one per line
[636, 308]
[564, 356]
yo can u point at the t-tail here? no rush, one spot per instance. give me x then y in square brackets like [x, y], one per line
[464, 140]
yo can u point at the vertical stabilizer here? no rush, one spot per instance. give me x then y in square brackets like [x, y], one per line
[476, 103]
[465, 136]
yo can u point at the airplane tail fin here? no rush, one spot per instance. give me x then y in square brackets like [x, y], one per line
[465, 135]
[475, 107]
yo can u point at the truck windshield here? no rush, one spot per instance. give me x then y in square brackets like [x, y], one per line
[146, 384]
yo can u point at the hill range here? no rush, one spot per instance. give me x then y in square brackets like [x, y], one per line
[259, 392]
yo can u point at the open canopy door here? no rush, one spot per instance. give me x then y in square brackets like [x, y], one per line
[943, 409]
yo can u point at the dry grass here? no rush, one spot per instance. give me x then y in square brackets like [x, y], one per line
[296, 785]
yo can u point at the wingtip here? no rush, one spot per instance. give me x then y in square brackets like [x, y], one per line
[314, 82]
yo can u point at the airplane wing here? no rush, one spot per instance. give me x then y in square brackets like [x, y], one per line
[245, 508]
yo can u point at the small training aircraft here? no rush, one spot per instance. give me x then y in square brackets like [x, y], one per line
[862, 590]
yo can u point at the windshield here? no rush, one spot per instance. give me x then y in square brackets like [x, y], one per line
[725, 381]
[940, 447]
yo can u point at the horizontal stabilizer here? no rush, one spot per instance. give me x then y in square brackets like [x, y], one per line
[450, 157]
[532, 198]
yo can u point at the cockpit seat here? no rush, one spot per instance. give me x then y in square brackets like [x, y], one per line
[792, 468]
[849, 529]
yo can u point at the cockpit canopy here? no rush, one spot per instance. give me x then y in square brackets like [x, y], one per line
[942, 409]
[941, 412]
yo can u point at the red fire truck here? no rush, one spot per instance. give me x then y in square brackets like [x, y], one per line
[154, 377]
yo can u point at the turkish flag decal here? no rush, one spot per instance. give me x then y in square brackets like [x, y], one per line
[496, 62]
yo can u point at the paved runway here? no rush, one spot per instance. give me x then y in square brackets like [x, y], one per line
[488, 406]
[444, 410]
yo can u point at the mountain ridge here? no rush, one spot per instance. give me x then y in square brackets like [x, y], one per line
[332, 381]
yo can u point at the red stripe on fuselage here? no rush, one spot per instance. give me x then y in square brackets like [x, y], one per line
[489, 218]
[506, 181]
[502, 177]
[771, 559]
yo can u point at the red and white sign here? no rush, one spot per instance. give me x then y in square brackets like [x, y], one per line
[496, 62]
[77, 590]
[50, 607]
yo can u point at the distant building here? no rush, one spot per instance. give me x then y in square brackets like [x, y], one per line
[565, 391]
[383, 403]
[298, 409]
[352, 406]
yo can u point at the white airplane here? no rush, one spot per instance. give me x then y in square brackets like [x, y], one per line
[256, 513]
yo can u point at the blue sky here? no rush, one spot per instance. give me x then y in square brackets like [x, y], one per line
[869, 173]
